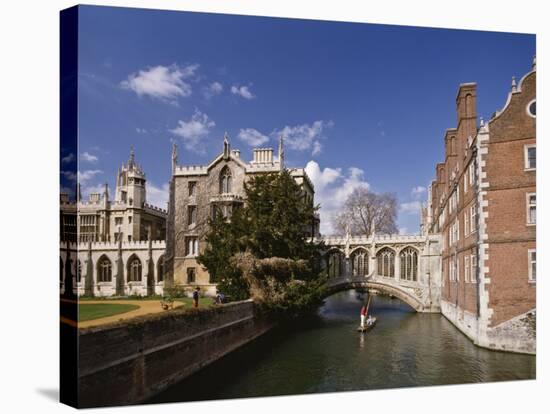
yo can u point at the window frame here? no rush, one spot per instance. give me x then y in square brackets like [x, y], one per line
[526, 149]
[528, 206]
[467, 268]
[473, 268]
[530, 263]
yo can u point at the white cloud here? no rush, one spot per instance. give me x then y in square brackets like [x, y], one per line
[86, 175]
[403, 230]
[193, 130]
[252, 137]
[157, 196]
[141, 130]
[304, 137]
[215, 88]
[68, 158]
[166, 83]
[412, 207]
[243, 91]
[86, 156]
[332, 188]
[418, 191]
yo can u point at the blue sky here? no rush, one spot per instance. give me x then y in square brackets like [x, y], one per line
[359, 104]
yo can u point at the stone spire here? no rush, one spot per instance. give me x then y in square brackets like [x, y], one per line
[106, 192]
[226, 146]
[174, 157]
[281, 152]
[131, 160]
[535, 62]
[514, 85]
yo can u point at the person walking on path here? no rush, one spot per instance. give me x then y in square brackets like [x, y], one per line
[196, 297]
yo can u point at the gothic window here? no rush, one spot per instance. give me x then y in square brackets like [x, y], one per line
[191, 215]
[359, 263]
[386, 262]
[160, 269]
[409, 263]
[336, 263]
[134, 270]
[192, 187]
[191, 246]
[225, 181]
[61, 270]
[104, 270]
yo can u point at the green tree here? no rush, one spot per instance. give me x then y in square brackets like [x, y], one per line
[273, 223]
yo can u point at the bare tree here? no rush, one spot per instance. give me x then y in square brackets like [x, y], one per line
[364, 209]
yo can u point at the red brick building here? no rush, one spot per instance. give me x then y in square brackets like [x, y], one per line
[483, 203]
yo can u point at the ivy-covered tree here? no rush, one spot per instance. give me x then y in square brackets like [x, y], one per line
[274, 223]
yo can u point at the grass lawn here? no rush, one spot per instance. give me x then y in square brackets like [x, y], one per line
[188, 302]
[90, 311]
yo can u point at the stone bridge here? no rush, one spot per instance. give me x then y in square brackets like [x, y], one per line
[404, 266]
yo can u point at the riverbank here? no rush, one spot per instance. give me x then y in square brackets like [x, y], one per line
[138, 358]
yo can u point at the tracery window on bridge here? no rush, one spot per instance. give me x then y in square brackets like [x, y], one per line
[359, 263]
[409, 264]
[386, 262]
[336, 263]
[104, 270]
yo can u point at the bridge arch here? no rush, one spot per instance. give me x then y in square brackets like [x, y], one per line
[406, 297]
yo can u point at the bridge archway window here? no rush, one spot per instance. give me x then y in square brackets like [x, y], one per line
[359, 263]
[134, 269]
[409, 264]
[225, 181]
[386, 262]
[104, 270]
[336, 263]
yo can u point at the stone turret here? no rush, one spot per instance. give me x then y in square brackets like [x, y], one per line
[130, 185]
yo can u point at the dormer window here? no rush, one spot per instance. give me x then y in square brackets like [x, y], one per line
[225, 181]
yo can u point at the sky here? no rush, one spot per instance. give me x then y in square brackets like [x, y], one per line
[359, 105]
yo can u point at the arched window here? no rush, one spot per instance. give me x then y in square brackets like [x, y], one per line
[409, 263]
[359, 263]
[386, 262]
[61, 270]
[78, 271]
[225, 181]
[104, 270]
[134, 269]
[160, 269]
[336, 263]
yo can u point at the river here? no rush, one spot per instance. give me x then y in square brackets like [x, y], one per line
[324, 353]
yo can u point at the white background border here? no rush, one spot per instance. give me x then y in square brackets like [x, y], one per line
[29, 201]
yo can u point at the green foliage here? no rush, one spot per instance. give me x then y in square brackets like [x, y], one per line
[273, 224]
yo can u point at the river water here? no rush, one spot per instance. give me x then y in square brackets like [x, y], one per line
[325, 353]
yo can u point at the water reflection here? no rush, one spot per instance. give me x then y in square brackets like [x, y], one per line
[325, 353]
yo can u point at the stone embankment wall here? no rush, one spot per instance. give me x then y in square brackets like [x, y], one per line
[127, 363]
